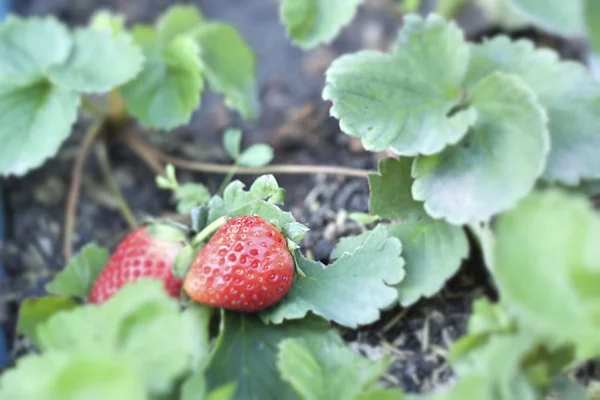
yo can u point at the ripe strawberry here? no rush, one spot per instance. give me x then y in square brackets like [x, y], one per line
[245, 266]
[138, 255]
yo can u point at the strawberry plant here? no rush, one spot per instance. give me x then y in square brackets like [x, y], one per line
[491, 147]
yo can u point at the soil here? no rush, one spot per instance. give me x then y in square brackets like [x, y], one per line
[295, 121]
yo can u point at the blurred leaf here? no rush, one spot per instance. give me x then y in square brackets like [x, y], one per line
[78, 277]
[323, 368]
[167, 91]
[191, 195]
[26, 58]
[229, 66]
[257, 155]
[232, 142]
[312, 22]
[565, 18]
[99, 61]
[34, 121]
[36, 310]
[179, 19]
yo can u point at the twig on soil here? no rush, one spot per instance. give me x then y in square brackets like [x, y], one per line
[110, 181]
[152, 155]
[70, 213]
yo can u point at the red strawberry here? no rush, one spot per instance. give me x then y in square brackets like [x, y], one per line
[245, 266]
[138, 255]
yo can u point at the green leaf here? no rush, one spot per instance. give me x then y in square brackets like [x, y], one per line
[502, 13]
[223, 392]
[194, 387]
[76, 376]
[565, 18]
[257, 155]
[363, 218]
[550, 239]
[352, 290]
[229, 66]
[167, 91]
[383, 394]
[26, 58]
[592, 19]
[469, 387]
[496, 164]
[322, 368]
[179, 20]
[390, 190]
[78, 277]
[312, 22]
[232, 142]
[568, 93]
[259, 200]
[294, 231]
[433, 251]
[106, 20]
[99, 61]
[183, 261]
[34, 121]
[409, 101]
[191, 195]
[36, 310]
[197, 319]
[247, 355]
[350, 244]
[132, 324]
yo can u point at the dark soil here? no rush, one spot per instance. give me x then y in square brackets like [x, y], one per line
[295, 121]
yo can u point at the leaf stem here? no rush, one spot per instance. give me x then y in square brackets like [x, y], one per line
[227, 178]
[71, 209]
[92, 108]
[152, 155]
[208, 231]
[110, 181]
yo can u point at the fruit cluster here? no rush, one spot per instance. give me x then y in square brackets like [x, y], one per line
[245, 266]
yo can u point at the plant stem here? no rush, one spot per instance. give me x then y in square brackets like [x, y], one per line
[152, 156]
[110, 181]
[227, 179]
[92, 108]
[71, 209]
[209, 230]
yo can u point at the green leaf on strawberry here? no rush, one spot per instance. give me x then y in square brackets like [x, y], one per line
[325, 368]
[352, 290]
[259, 200]
[247, 354]
[77, 278]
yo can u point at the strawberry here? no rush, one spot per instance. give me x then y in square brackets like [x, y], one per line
[138, 255]
[245, 266]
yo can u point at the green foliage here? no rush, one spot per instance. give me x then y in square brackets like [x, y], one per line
[167, 91]
[311, 22]
[77, 278]
[322, 368]
[36, 310]
[405, 101]
[564, 88]
[352, 290]
[261, 200]
[550, 239]
[257, 155]
[247, 354]
[468, 182]
[565, 18]
[160, 72]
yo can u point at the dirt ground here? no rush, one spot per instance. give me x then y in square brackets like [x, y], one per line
[295, 121]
